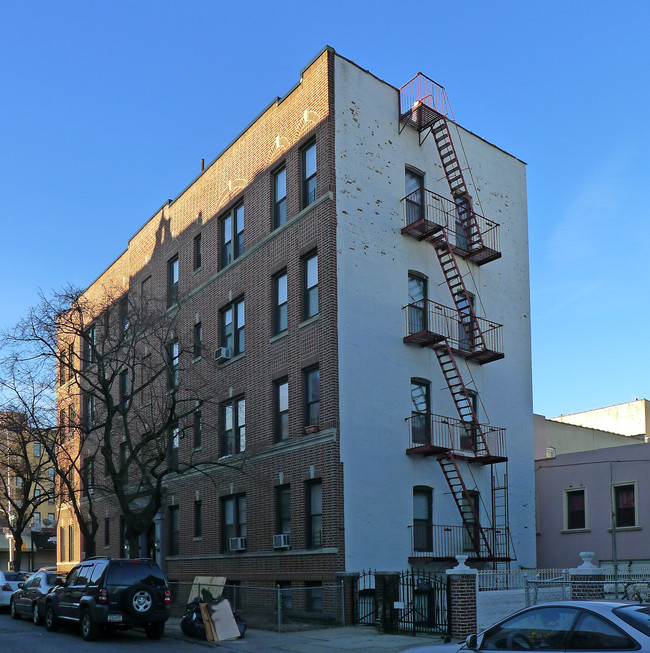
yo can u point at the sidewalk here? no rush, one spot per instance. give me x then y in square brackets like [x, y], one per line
[360, 639]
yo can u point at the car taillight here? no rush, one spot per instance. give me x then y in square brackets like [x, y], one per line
[7, 588]
[168, 597]
[103, 597]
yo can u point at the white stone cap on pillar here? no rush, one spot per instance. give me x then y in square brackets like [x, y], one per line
[587, 568]
[462, 568]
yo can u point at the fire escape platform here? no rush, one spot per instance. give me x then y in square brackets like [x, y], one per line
[426, 557]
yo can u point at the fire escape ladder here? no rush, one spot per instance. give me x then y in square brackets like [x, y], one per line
[466, 506]
[500, 518]
[457, 185]
[462, 399]
[458, 291]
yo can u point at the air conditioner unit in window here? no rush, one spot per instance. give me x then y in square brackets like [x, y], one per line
[282, 541]
[222, 354]
[238, 544]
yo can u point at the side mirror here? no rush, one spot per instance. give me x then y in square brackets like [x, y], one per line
[21, 585]
[472, 642]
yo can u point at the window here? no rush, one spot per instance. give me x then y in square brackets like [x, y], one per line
[309, 174]
[62, 367]
[417, 307]
[89, 475]
[71, 542]
[280, 303]
[232, 235]
[466, 327]
[233, 518]
[71, 421]
[173, 354]
[285, 594]
[314, 596]
[470, 423]
[420, 412]
[37, 493]
[172, 281]
[279, 198]
[124, 389]
[145, 295]
[232, 327]
[314, 514]
[310, 286]
[281, 409]
[625, 505]
[173, 444]
[414, 204]
[62, 543]
[197, 253]
[19, 481]
[198, 341]
[575, 509]
[197, 427]
[50, 473]
[312, 396]
[233, 426]
[198, 519]
[592, 633]
[70, 362]
[107, 531]
[124, 455]
[37, 449]
[422, 519]
[283, 508]
[89, 343]
[50, 516]
[124, 316]
[174, 530]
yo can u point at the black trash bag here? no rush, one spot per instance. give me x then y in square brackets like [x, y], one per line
[192, 621]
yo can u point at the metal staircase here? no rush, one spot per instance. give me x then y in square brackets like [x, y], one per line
[424, 106]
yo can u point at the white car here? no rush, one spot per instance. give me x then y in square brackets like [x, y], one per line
[585, 626]
[9, 583]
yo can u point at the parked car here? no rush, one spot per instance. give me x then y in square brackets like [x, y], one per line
[30, 599]
[566, 625]
[9, 583]
[110, 593]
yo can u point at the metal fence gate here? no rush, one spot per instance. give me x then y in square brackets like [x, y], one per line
[412, 601]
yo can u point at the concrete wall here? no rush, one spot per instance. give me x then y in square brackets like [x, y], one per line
[496, 605]
[376, 366]
[631, 418]
[569, 438]
[595, 471]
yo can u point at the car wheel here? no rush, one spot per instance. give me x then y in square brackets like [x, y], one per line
[37, 618]
[138, 600]
[89, 629]
[155, 630]
[51, 622]
[13, 610]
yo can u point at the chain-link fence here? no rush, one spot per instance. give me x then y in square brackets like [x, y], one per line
[280, 607]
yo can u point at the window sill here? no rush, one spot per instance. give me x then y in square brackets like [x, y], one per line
[309, 320]
[231, 360]
[197, 270]
[173, 308]
[624, 529]
[197, 359]
[146, 404]
[279, 336]
[568, 531]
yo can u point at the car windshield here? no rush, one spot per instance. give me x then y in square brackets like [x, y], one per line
[128, 573]
[637, 616]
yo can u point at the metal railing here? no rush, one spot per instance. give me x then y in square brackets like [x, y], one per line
[438, 212]
[274, 607]
[453, 434]
[513, 579]
[423, 90]
[440, 541]
[426, 315]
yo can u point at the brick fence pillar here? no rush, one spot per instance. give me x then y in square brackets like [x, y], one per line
[350, 582]
[462, 599]
[587, 580]
[386, 596]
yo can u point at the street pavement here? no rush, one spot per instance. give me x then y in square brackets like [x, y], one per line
[359, 639]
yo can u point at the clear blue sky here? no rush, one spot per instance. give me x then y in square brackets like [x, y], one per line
[107, 108]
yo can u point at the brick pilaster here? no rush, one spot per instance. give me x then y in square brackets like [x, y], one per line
[462, 599]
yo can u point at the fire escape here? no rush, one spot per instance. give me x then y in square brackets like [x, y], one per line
[455, 230]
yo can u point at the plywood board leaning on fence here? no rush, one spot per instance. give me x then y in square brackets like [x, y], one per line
[214, 584]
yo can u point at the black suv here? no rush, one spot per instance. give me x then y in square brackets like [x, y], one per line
[110, 593]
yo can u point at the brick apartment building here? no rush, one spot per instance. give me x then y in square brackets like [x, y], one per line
[362, 327]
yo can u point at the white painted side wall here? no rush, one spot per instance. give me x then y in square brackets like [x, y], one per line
[375, 366]
[631, 418]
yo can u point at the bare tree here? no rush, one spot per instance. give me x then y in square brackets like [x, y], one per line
[25, 481]
[118, 395]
